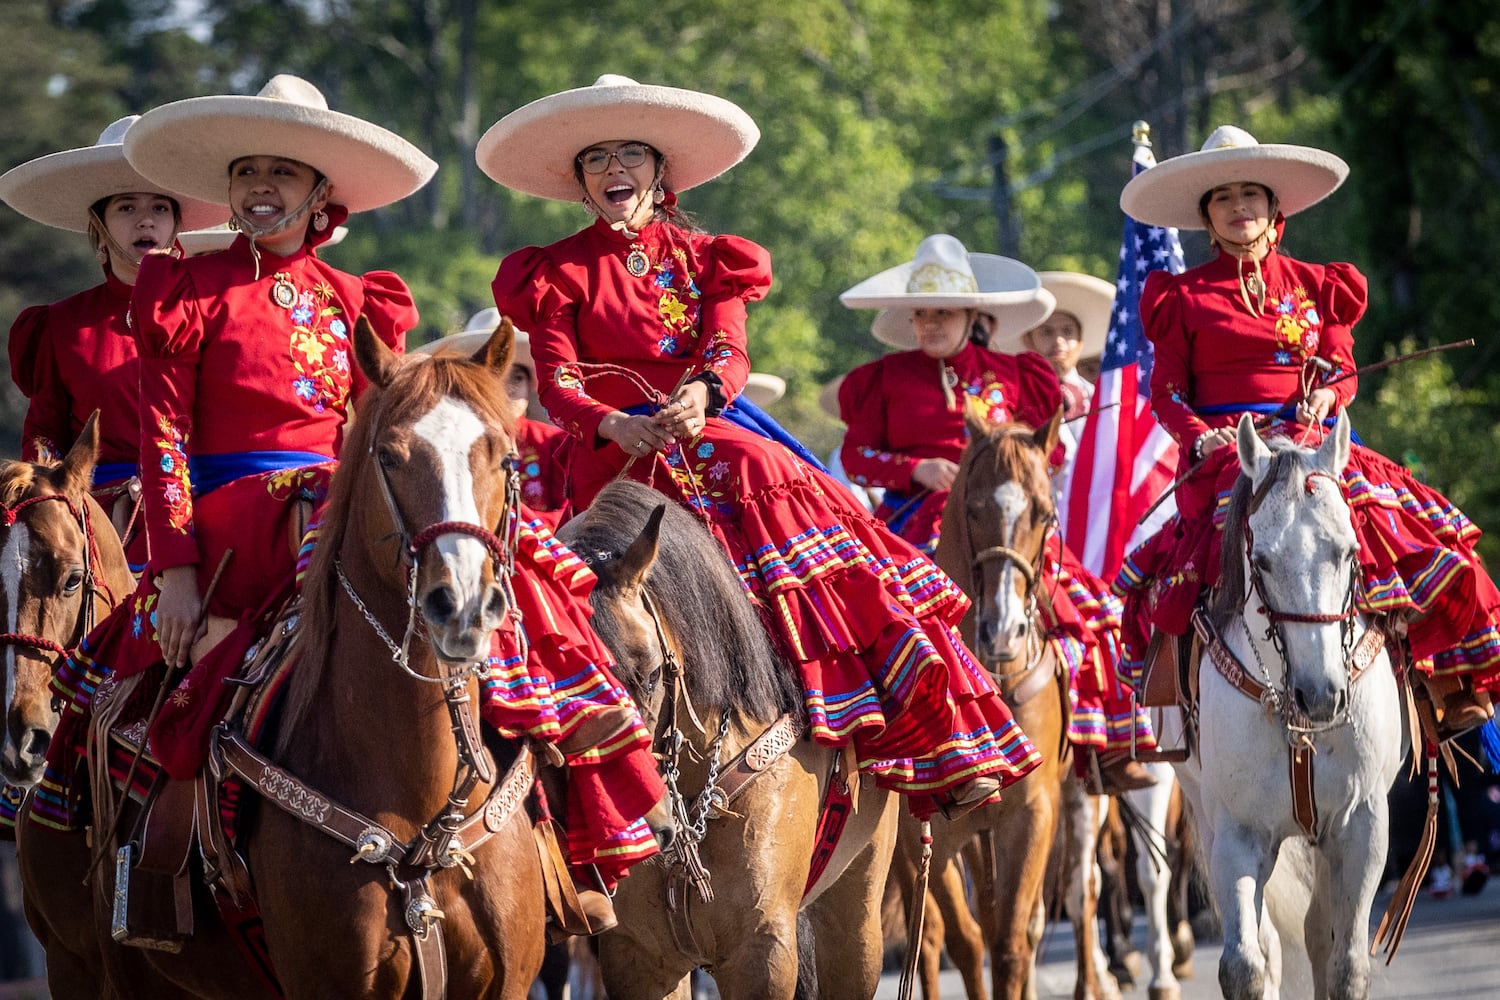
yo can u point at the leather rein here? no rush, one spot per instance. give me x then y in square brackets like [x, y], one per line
[1276, 699]
[449, 839]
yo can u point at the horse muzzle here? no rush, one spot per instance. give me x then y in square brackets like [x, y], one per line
[23, 756]
[459, 625]
[1002, 641]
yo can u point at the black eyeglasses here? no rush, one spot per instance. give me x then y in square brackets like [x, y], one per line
[596, 161]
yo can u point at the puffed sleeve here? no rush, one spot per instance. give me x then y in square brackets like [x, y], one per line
[1172, 368]
[1039, 397]
[1344, 297]
[531, 290]
[33, 367]
[390, 309]
[865, 453]
[169, 334]
[738, 272]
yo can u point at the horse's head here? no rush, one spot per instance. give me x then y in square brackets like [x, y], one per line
[434, 445]
[995, 528]
[49, 571]
[1293, 540]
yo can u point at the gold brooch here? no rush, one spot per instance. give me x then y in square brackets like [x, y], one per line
[637, 263]
[283, 292]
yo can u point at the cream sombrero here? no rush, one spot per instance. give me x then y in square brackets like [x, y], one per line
[828, 397]
[57, 190]
[1168, 193]
[763, 389]
[533, 148]
[190, 144]
[943, 275]
[475, 334]
[201, 241]
[1088, 299]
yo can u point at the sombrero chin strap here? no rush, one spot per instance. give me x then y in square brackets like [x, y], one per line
[96, 224]
[253, 232]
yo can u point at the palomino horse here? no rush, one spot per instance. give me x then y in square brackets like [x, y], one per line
[1285, 626]
[746, 784]
[993, 544]
[408, 542]
[62, 568]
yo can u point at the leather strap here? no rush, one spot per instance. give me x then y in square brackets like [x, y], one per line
[432, 961]
[1304, 801]
[757, 757]
[1033, 681]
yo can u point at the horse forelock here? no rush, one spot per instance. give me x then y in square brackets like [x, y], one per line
[728, 658]
[17, 480]
[1017, 459]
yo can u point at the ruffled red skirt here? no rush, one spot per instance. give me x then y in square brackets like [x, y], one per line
[1416, 557]
[870, 622]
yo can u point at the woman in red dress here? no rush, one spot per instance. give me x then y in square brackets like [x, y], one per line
[76, 356]
[637, 326]
[906, 418]
[1256, 331]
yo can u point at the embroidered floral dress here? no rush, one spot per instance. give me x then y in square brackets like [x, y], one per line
[71, 358]
[1214, 361]
[868, 620]
[898, 414]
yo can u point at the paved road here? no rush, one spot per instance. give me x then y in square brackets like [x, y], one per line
[1451, 951]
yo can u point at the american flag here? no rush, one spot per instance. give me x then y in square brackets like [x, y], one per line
[1125, 459]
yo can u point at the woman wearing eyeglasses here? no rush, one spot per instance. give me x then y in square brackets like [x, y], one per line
[637, 328]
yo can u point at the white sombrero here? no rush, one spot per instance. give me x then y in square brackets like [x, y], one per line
[1088, 299]
[190, 144]
[201, 241]
[943, 275]
[476, 332]
[533, 148]
[828, 397]
[763, 389]
[58, 189]
[1168, 193]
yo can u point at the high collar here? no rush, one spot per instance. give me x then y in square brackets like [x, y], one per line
[117, 288]
[270, 263]
[652, 233]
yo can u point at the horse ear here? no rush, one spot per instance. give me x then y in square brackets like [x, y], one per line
[497, 352]
[1333, 453]
[75, 474]
[375, 358]
[1046, 435]
[1255, 457]
[638, 559]
[974, 418]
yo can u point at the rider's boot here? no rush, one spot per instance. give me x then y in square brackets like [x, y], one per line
[1462, 708]
[968, 796]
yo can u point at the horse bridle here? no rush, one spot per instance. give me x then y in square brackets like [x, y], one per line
[9, 515]
[1279, 700]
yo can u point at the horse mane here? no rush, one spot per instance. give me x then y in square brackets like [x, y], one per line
[1227, 600]
[730, 662]
[413, 388]
[16, 480]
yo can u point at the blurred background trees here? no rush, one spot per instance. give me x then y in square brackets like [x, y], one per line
[1004, 122]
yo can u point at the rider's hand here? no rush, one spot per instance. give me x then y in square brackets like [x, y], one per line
[637, 435]
[1211, 441]
[1317, 406]
[684, 416]
[178, 613]
[935, 473]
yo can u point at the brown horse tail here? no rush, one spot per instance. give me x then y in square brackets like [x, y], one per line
[807, 960]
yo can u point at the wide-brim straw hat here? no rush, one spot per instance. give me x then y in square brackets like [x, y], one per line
[894, 326]
[1168, 193]
[533, 148]
[1088, 299]
[189, 145]
[763, 389]
[201, 241]
[58, 189]
[475, 334]
[828, 397]
[943, 275]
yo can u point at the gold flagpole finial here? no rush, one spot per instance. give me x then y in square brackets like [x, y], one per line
[1140, 132]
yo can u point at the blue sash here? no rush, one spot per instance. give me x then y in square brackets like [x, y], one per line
[902, 506]
[745, 414]
[112, 472]
[1282, 411]
[209, 472]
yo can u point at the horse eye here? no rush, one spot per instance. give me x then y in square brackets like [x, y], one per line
[388, 459]
[73, 582]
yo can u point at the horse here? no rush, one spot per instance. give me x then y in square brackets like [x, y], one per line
[62, 567]
[452, 897]
[993, 543]
[754, 889]
[1284, 625]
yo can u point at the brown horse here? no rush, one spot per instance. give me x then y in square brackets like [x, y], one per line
[992, 543]
[691, 650]
[408, 541]
[62, 568]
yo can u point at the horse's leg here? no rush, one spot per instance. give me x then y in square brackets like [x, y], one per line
[59, 908]
[846, 922]
[1184, 863]
[1025, 823]
[1241, 863]
[1152, 806]
[964, 939]
[1356, 859]
[1114, 896]
[1085, 815]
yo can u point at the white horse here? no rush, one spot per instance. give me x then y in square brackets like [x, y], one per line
[1153, 850]
[1286, 623]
